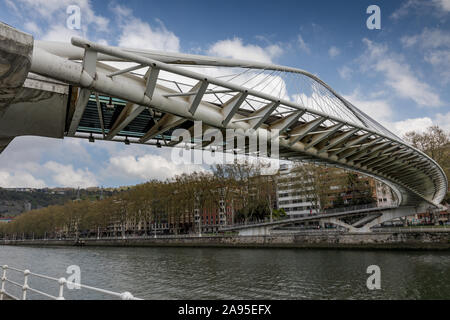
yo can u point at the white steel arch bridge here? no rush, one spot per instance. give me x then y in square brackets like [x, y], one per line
[68, 90]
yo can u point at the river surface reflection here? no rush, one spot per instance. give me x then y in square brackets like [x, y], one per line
[230, 273]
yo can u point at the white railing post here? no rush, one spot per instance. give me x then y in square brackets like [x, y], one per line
[62, 282]
[25, 284]
[126, 296]
[3, 281]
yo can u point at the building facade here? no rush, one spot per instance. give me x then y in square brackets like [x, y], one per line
[299, 193]
[289, 198]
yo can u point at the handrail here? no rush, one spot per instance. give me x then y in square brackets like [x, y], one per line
[313, 215]
[61, 282]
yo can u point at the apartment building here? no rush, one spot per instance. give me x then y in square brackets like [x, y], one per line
[298, 194]
[294, 202]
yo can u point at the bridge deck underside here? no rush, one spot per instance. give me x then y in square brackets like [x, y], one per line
[147, 119]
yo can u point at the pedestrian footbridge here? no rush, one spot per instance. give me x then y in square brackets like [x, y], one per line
[91, 91]
[366, 218]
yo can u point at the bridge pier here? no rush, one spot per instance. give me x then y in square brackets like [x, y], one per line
[362, 225]
[340, 223]
[365, 224]
[258, 231]
[15, 57]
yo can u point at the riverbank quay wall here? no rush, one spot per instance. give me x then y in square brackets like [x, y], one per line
[379, 240]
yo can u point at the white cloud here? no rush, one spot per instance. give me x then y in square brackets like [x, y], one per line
[405, 8]
[382, 111]
[302, 44]
[378, 109]
[443, 120]
[32, 27]
[11, 5]
[53, 12]
[26, 160]
[345, 72]
[436, 7]
[443, 4]
[435, 44]
[60, 33]
[440, 59]
[24, 150]
[333, 51]
[147, 167]
[39, 162]
[140, 35]
[67, 176]
[137, 34]
[121, 11]
[19, 179]
[429, 38]
[398, 75]
[414, 124]
[236, 49]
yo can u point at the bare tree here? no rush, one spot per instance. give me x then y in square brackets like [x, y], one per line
[435, 142]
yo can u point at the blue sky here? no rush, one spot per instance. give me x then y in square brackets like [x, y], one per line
[400, 75]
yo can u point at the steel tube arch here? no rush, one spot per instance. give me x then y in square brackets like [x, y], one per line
[357, 143]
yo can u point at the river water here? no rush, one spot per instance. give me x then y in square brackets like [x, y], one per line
[231, 273]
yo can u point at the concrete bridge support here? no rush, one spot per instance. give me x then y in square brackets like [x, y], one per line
[256, 231]
[365, 224]
[340, 223]
[15, 62]
[362, 225]
[29, 104]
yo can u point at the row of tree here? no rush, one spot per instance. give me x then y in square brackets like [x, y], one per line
[240, 185]
[328, 187]
[174, 202]
[435, 142]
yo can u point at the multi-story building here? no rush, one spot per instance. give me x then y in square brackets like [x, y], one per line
[213, 217]
[385, 196]
[5, 219]
[289, 198]
[298, 193]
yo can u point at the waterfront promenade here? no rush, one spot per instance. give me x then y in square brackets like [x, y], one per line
[387, 238]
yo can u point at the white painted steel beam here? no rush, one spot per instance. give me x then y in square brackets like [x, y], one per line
[285, 123]
[128, 114]
[80, 106]
[134, 90]
[351, 144]
[231, 106]
[300, 132]
[261, 115]
[339, 139]
[200, 89]
[152, 77]
[167, 122]
[100, 115]
[323, 135]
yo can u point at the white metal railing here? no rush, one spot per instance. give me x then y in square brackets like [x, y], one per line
[413, 228]
[61, 282]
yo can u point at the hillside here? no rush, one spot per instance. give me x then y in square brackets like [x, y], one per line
[13, 201]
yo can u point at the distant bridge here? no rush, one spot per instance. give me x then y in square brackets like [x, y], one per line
[369, 217]
[62, 90]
